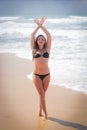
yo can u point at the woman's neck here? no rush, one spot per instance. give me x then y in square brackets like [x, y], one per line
[41, 48]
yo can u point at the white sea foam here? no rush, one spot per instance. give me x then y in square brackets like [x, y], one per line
[8, 18]
[68, 20]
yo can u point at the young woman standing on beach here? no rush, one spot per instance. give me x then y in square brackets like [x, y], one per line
[40, 50]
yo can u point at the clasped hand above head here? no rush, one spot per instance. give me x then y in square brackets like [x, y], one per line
[40, 22]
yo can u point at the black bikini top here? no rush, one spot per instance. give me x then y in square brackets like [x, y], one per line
[45, 55]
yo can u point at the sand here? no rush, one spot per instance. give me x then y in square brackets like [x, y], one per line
[19, 100]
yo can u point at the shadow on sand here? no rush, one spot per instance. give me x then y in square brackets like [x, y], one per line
[68, 124]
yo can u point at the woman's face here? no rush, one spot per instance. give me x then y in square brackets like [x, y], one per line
[41, 41]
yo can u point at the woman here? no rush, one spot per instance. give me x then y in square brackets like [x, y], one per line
[41, 50]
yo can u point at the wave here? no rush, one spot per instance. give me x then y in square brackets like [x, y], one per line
[63, 20]
[69, 20]
[8, 18]
[25, 25]
[72, 27]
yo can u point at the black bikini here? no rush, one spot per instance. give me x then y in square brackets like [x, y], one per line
[45, 55]
[41, 76]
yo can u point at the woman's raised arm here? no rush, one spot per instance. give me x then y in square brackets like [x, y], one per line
[32, 37]
[48, 37]
[42, 20]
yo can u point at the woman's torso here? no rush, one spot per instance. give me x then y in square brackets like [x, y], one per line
[41, 62]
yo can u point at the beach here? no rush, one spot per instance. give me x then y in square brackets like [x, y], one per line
[19, 100]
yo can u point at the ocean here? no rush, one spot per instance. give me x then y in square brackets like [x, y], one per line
[68, 57]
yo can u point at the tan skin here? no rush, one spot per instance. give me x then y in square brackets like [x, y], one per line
[41, 63]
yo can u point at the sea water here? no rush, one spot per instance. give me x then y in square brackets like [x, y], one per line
[68, 57]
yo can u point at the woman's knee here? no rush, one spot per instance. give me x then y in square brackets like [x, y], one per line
[42, 94]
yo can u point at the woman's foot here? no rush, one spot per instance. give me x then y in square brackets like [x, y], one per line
[40, 113]
[45, 115]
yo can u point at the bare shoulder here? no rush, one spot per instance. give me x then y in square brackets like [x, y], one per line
[48, 50]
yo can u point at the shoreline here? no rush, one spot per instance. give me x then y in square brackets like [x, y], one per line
[67, 109]
[53, 84]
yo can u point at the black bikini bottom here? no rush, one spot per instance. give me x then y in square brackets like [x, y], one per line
[41, 76]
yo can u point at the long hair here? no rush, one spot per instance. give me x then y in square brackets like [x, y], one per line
[36, 47]
[36, 44]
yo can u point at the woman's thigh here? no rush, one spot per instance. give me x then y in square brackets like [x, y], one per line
[46, 81]
[38, 84]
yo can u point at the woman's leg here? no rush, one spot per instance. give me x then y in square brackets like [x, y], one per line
[46, 81]
[39, 86]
